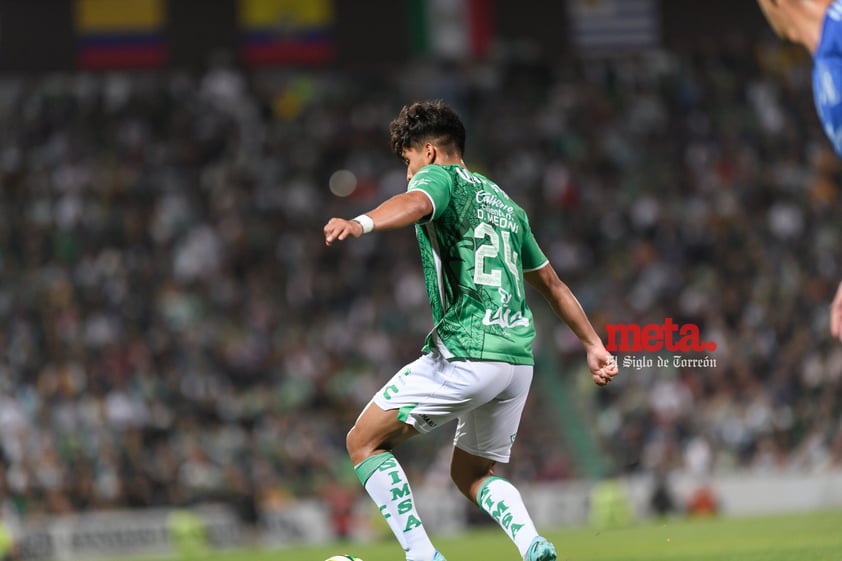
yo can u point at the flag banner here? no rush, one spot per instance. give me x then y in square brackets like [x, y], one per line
[120, 33]
[451, 29]
[286, 31]
[613, 24]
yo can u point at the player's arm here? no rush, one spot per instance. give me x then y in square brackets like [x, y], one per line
[836, 314]
[399, 211]
[564, 303]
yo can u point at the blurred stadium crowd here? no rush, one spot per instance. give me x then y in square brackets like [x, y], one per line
[175, 331]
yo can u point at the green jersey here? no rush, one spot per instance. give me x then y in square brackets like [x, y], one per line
[474, 248]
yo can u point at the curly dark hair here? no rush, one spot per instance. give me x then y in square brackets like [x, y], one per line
[427, 121]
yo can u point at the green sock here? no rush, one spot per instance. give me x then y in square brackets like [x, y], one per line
[387, 485]
[502, 501]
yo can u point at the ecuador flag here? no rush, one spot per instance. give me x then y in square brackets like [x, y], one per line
[120, 33]
[286, 31]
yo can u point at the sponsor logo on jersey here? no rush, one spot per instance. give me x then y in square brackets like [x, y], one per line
[490, 200]
[427, 420]
[503, 316]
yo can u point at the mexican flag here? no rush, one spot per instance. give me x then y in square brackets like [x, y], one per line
[452, 29]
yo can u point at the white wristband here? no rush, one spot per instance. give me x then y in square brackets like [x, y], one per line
[366, 222]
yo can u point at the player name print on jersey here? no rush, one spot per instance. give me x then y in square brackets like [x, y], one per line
[496, 212]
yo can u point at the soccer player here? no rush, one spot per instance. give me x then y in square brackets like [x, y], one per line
[477, 250]
[817, 26]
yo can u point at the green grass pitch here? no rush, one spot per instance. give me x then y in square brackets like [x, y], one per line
[806, 537]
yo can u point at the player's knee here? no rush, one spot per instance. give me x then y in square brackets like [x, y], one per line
[353, 441]
[359, 446]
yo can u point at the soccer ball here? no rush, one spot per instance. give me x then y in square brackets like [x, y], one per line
[346, 557]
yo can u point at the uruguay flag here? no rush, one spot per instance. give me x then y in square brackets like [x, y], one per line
[615, 25]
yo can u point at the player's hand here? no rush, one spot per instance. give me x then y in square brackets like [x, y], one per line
[340, 229]
[836, 314]
[603, 366]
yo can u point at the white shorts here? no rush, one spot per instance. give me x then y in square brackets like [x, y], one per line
[486, 397]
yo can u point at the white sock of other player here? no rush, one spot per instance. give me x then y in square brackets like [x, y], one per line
[502, 501]
[386, 483]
